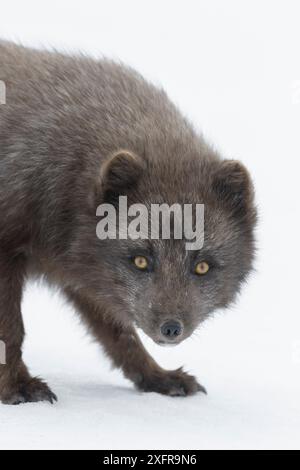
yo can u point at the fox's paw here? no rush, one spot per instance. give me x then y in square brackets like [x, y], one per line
[175, 383]
[30, 391]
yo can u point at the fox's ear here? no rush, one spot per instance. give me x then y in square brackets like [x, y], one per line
[121, 171]
[233, 186]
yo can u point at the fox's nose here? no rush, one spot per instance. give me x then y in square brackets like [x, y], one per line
[171, 329]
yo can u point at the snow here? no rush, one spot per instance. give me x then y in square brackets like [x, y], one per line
[247, 365]
[238, 79]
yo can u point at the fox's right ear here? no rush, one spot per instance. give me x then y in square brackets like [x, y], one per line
[121, 171]
[234, 188]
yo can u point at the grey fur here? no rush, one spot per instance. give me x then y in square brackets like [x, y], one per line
[64, 119]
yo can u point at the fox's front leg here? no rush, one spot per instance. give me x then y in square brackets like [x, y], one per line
[127, 352]
[16, 384]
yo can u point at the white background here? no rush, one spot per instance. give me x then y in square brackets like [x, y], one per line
[234, 68]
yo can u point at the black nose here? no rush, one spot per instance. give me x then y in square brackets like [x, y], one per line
[171, 329]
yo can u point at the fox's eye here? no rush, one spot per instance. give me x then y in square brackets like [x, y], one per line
[141, 262]
[201, 268]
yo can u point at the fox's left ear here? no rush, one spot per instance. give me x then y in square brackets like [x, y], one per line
[234, 188]
[119, 173]
[121, 170]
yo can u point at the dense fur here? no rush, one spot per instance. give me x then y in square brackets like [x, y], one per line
[61, 131]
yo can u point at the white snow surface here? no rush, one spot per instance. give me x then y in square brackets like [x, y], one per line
[233, 68]
[247, 364]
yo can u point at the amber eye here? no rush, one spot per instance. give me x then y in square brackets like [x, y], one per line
[201, 268]
[141, 262]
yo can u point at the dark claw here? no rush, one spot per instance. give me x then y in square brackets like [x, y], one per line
[52, 397]
[202, 389]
